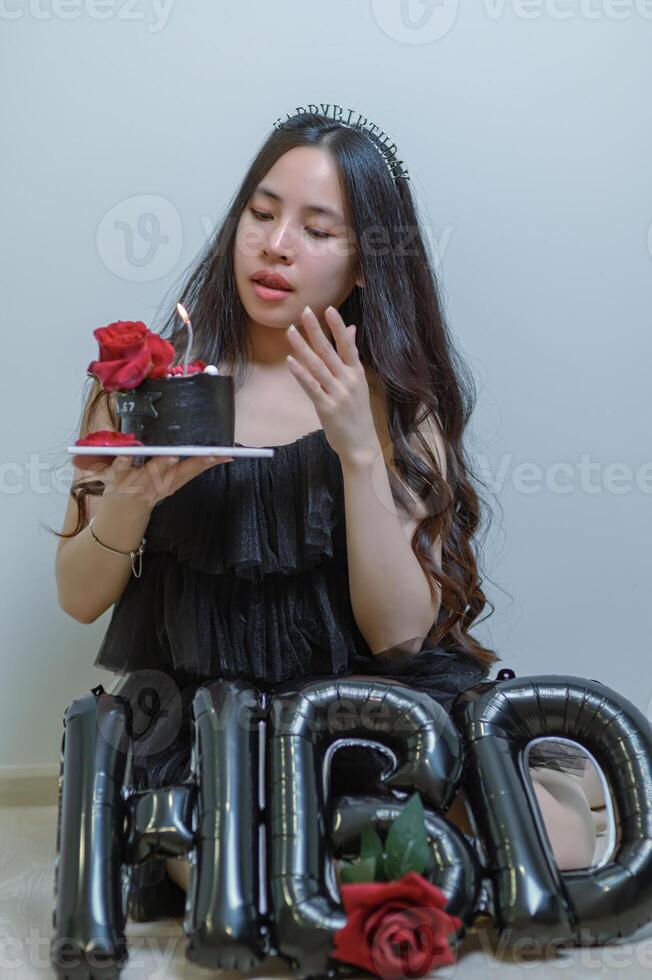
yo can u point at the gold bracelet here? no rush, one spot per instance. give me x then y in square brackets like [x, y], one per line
[138, 553]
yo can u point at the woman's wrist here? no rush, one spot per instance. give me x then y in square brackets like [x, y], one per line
[120, 522]
[361, 460]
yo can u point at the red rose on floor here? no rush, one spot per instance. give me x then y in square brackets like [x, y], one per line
[193, 368]
[109, 437]
[395, 928]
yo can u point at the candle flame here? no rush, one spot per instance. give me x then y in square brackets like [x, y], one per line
[182, 313]
[186, 319]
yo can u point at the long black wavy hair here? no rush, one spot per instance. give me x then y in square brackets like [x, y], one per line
[401, 335]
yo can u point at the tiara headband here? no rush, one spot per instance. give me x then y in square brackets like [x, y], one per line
[355, 120]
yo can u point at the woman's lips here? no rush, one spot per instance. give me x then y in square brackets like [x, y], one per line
[266, 292]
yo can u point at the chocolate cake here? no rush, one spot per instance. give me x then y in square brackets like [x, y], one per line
[195, 409]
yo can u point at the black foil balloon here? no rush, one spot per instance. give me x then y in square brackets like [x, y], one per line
[104, 830]
[533, 898]
[305, 719]
[160, 823]
[261, 829]
[224, 925]
[89, 914]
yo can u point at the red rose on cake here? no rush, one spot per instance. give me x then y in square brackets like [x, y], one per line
[129, 353]
[156, 403]
[109, 437]
[121, 339]
[193, 368]
[103, 437]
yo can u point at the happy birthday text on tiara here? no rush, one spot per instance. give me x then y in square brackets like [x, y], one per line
[361, 123]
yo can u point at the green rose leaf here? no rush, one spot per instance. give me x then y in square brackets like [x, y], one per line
[356, 872]
[406, 845]
[371, 846]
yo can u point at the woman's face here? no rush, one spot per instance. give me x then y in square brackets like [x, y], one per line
[282, 230]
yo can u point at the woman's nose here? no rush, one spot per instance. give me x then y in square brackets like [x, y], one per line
[280, 240]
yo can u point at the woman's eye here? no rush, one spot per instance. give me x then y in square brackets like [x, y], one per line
[263, 216]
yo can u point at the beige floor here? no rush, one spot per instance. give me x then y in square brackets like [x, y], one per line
[157, 949]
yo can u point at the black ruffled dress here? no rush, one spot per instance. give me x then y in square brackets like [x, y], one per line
[245, 575]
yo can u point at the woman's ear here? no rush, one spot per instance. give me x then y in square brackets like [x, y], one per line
[358, 277]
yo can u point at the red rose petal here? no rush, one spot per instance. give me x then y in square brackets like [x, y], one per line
[121, 339]
[162, 353]
[124, 374]
[102, 437]
[109, 437]
[194, 367]
[410, 942]
[390, 920]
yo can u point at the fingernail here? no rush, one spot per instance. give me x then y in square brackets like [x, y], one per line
[292, 328]
[173, 459]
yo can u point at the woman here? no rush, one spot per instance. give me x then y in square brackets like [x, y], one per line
[347, 552]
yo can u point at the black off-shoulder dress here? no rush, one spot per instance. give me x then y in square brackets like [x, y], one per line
[245, 575]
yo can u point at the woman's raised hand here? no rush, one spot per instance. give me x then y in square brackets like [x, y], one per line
[150, 483]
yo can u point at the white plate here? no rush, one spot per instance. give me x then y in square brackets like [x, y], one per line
[169, 451]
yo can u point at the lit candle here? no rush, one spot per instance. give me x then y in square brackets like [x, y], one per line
[186, 319]
[210, 368]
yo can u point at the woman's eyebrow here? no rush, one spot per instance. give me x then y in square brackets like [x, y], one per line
[316, 208]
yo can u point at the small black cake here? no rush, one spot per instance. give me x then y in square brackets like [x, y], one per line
[195, 409]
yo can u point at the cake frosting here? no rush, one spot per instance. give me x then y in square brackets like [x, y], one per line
[180, 410]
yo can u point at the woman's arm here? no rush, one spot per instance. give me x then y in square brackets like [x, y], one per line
[90, 579]
[389, 590]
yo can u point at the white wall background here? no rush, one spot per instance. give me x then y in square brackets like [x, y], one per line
[525, 128]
